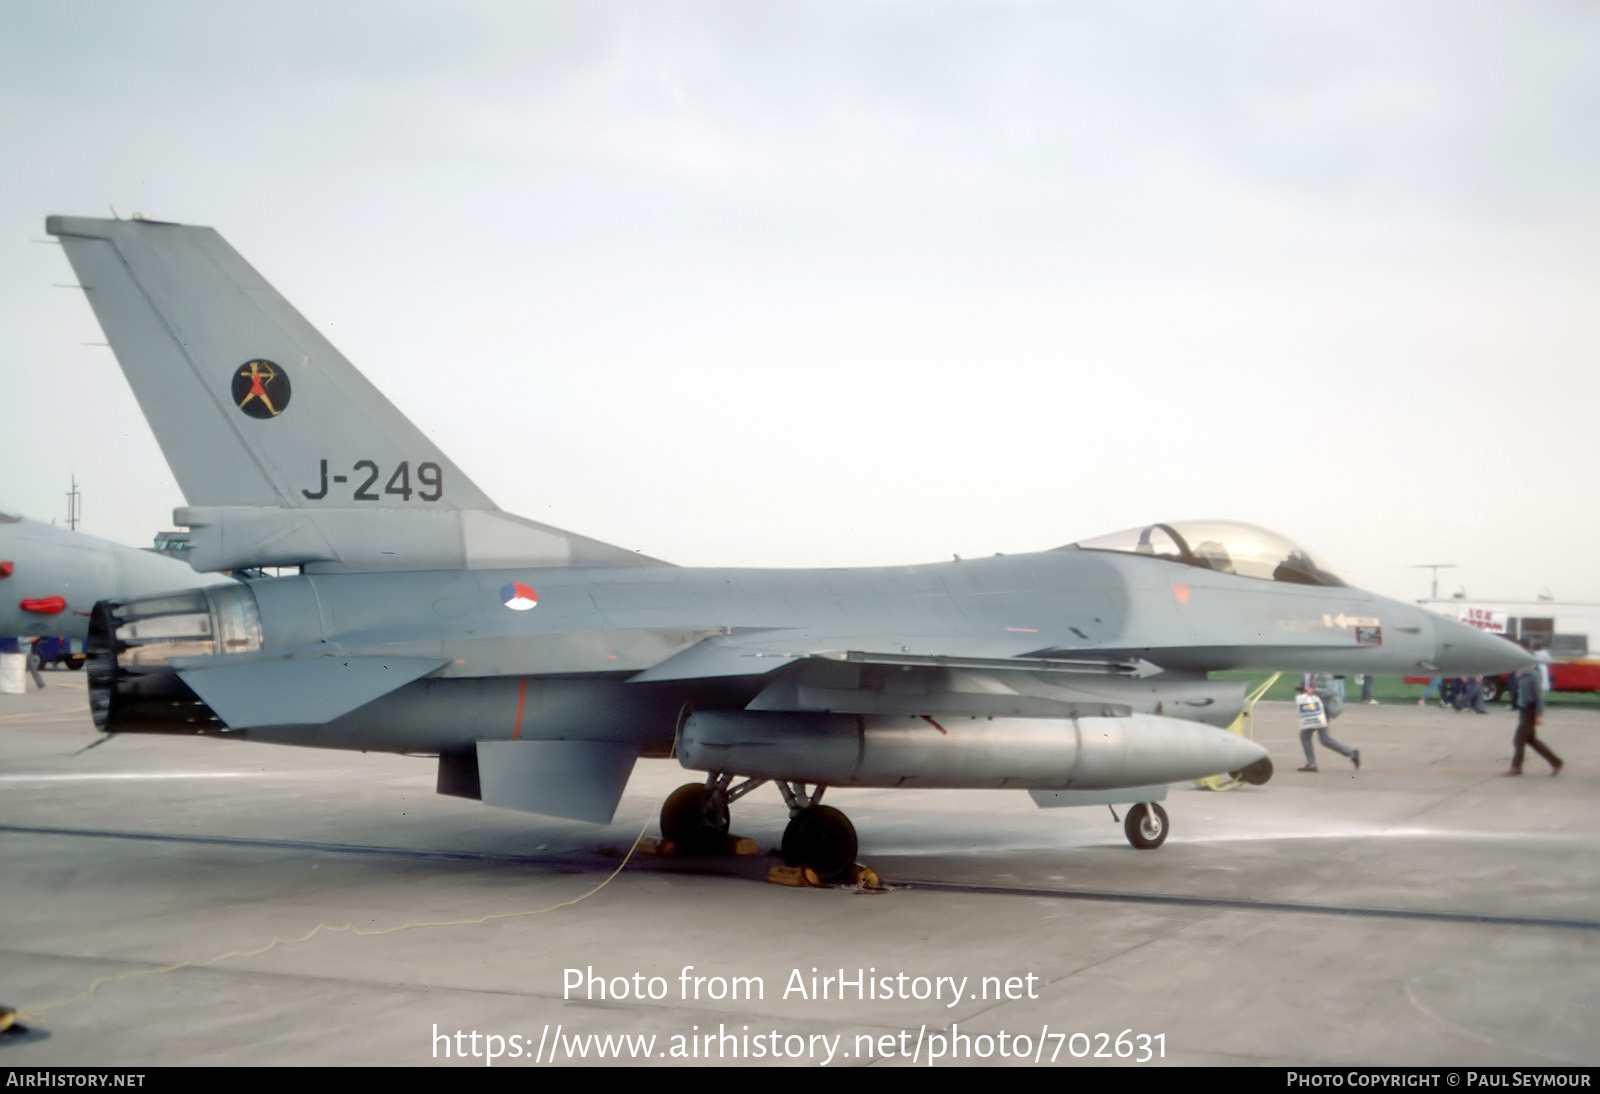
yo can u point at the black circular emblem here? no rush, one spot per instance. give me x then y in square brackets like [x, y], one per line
[260, 389]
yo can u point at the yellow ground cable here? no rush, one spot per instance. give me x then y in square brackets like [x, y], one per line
[33, 1012]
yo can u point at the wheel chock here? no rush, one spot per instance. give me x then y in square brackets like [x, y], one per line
[743, 846]
[861, 877]
[14, 1031]
[865, 876]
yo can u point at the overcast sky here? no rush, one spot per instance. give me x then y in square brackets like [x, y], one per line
[828, 284]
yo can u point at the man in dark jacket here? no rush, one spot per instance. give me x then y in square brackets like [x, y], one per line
[1530, 713]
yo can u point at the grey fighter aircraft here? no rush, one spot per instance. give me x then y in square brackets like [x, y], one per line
[538, 665]
[50, 578]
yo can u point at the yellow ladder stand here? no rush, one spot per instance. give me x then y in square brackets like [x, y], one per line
[1244, 726]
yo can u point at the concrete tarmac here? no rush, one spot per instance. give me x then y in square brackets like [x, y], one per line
[1425, 910]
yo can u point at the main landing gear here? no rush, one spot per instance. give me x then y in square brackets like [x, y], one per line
[819, 837]
[695, 818]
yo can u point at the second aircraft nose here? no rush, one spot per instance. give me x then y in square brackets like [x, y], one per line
[1466, 651]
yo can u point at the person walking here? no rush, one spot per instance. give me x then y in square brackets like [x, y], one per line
[1530, 714]
[1434, 690]
[26, 645]
[1318, 704]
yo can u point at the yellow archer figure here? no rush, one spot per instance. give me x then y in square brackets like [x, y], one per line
[258, 385]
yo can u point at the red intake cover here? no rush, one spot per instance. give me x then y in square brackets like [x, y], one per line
[50, 605]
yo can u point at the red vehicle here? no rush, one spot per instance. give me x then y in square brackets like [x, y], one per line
[1563, 630]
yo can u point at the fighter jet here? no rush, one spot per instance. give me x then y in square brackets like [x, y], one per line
[539, 665]
[50, 578]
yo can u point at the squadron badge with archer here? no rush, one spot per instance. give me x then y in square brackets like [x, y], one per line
[261, 389]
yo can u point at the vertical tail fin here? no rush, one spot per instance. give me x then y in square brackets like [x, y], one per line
[285, 453]
[245, 397]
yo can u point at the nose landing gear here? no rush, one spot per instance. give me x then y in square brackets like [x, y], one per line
[1146, 826]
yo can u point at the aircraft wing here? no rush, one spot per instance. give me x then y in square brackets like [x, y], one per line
[762, 652]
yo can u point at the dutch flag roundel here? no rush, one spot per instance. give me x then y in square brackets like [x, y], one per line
[518, 597]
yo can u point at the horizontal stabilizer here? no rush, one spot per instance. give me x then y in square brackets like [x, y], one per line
[579, 780]
[305, 691]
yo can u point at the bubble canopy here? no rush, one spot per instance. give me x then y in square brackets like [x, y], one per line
[1225, 546]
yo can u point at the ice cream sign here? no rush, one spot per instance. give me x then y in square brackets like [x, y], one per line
[1483, 619]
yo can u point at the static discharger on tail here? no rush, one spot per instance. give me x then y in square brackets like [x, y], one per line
[538, 665]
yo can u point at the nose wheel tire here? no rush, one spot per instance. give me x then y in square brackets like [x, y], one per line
[690, 818]
[822, 839]
[1146, 826]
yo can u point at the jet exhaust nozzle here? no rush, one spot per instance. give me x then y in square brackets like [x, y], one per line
[133, 686]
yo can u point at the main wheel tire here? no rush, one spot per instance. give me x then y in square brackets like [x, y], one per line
[822, 839]
[1146, 826]
[684, 819]
[1493, 688]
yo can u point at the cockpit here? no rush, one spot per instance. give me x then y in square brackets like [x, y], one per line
[1224, 546]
